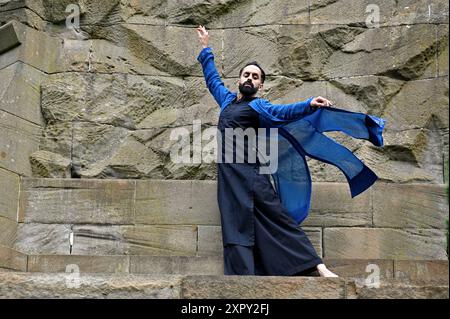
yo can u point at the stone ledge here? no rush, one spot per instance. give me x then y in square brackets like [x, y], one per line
[405, 270]
[121, 286]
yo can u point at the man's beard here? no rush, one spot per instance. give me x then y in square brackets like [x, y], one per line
[247, 90]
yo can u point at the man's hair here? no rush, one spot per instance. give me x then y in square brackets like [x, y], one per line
[263, 74]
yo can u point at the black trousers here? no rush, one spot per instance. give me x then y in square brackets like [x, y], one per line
[280, 246]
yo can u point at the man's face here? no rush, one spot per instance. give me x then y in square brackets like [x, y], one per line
[250, 80]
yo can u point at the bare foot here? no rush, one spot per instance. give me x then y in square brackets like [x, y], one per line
[325, 272]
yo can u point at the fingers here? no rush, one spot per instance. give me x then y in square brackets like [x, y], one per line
[320, 101]
[323, 101]
[202, 30]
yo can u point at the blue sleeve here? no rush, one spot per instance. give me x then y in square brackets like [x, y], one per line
[212, 78]
[292, 111]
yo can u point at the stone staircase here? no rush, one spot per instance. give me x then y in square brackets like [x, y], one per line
[161, 239]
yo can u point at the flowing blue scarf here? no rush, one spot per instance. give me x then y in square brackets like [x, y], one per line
[300, 127]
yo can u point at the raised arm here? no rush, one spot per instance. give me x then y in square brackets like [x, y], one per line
[212, 78]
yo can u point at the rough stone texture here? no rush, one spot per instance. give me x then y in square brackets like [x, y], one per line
[122, 286]
[10, 194]
[12, 259]
[66, 201]
[426, 207]
[384, 243]
[251, 287]
[9, 38]
[84, 264]
[18, 140]
[162, 240]
[332, 205]
[171, 220]
[209, 241]
[398, 290]
[130, 76]
[177, 202]
[89, 286]
[361, 269]
[422, 271]
[179, 265]
[20, 92]
[8, 231]
[43, 239]
[50, 165]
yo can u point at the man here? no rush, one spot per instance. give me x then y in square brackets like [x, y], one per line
[259, 236]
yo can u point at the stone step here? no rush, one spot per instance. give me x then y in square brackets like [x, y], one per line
[57, 285]
[181, 218]
[410, 270]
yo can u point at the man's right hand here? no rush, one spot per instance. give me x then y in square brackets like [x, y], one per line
[203, 36]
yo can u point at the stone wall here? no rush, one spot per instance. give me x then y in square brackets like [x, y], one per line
[181, 218]
[101, 102]
[111, 94]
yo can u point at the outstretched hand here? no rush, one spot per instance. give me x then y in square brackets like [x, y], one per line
[203, 36]
[320, 101]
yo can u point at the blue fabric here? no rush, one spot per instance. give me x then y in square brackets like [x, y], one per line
[300, 127]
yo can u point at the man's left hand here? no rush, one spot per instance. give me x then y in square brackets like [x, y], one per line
[320, 101]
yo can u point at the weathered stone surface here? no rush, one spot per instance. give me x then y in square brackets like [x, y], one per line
[361, 270]
[443, 56]
[426, 206]
[83, 264]
[122, 286]
[420, 104]
[161, 47]
[43, 239]
[303, 51]
[161, 240]
[50, 165]
[176, 265]
[385, 13]
[384, 243]
[422, 271]
[254, 287]
[19, 92]
[57, 138]
[25, 16]
[422, 11]
[209, 242]
[46, 53]
[403, 52]
[332, 205]
[18, 140]
[104, 286]
[101, 150]
[12, 259]
[248, 44]
[10, 194]
[117, 99]
[176, 202]
[8, 232]
[408, 156]
[315, 236]
[65, 201]
[398, 290]
[9, 38]
[365, 94]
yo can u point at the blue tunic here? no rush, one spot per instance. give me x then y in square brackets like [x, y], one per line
[300, 128]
